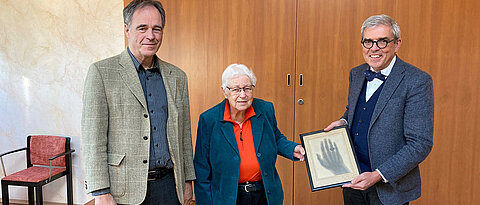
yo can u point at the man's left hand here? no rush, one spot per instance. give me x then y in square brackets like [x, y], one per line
[364, 180]
[299, 152]
[188, 193]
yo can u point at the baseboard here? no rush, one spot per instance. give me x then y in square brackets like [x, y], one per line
[18, 202]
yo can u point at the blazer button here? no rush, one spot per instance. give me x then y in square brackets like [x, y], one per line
[145, 115]
[145, 161]
[259, 155]
[145, 137]
[265, 174]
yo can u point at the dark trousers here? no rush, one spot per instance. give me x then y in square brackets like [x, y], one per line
[359, 197]
[251, 198]
[162, 191]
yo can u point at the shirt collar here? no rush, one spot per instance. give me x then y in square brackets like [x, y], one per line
[137, 64]
[388, 69]
[227, 117]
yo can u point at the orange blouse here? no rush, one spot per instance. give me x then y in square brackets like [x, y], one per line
[249, 167]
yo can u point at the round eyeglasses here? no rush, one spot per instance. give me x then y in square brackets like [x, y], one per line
[246, 89]
[382, 43]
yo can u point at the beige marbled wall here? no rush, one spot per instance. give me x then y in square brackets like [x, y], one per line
[46, 47]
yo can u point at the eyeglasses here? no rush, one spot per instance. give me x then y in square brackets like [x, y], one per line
[382, 43]
[246, 89]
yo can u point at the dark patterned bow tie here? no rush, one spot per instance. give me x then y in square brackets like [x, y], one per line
[369, 75]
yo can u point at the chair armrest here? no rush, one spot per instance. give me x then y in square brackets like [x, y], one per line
[61, 154]
[10, 152]
[54, 157]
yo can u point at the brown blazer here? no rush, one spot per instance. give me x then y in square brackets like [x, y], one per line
[115, 120]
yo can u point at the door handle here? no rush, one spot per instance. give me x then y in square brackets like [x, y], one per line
[288, 80]
[301, 80]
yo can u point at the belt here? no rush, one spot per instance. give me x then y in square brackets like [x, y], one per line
[251, 186]
[158, 173]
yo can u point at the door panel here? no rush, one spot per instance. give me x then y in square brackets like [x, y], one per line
[328, 46]
[203, 37]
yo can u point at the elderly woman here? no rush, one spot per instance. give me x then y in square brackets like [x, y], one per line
[237, 145]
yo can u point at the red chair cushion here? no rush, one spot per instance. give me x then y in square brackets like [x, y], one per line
[43, 147]
[32, 174]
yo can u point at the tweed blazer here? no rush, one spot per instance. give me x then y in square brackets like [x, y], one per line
[400, 134]
[116, 129]
[217, 159]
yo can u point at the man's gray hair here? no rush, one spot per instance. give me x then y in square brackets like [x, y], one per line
[138, 4]
[382, 19]
[235, 70]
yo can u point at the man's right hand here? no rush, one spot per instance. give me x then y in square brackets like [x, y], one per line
[335, 124]
[105, 199]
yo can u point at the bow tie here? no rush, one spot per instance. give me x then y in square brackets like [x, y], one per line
[369, 75]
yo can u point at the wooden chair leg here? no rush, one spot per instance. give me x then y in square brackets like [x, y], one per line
[69, 189]
[39, 197]
[5, 199]
[31, 195]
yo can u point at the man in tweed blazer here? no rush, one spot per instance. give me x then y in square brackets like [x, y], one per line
[390, 116]
[126, 99]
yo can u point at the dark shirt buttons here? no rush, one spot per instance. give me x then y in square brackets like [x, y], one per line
[145, 115]
[145, 137]
[151, 111]
[154, 128]
[148, 78]
[156, 145]
[158, 161]
[149, 94]
[259, 155]
[145, 161]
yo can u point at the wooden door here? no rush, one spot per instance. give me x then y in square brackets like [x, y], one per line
[328, 45]
[203, 37]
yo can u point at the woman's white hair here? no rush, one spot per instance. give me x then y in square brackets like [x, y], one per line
[235, 70]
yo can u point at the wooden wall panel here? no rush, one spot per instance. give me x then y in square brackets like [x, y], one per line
[442, 38]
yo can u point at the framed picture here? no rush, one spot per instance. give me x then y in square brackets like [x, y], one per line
[330, 158]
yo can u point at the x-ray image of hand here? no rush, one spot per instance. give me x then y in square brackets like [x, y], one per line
[331, 160]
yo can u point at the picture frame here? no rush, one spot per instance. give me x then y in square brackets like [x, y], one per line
[330, 158]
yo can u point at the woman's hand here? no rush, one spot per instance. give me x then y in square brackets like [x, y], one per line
[299, 152]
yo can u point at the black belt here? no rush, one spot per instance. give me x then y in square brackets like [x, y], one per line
[251, 186]
[158, 173]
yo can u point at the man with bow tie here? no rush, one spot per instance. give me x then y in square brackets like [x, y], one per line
[390, 117]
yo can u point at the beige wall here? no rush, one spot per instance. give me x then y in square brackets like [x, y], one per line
[46, 47]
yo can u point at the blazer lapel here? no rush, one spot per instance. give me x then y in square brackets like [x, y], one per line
[389, 87]
[227, 130]
[358, 78]
[130, 77]
[257, 129]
